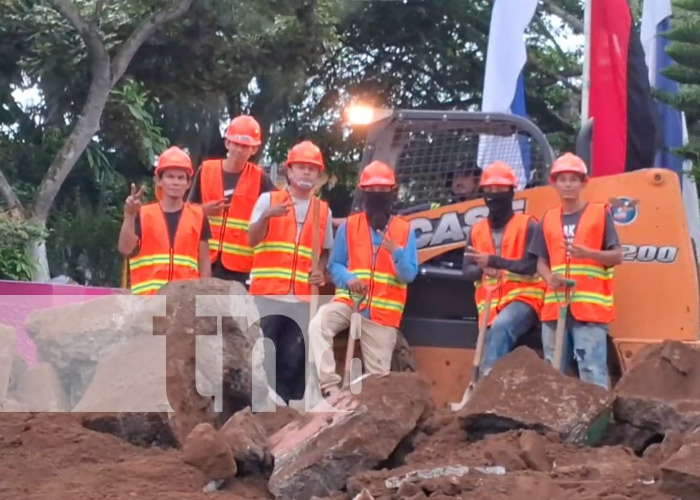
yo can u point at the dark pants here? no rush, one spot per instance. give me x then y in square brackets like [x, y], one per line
[219, 271]
[282, 323]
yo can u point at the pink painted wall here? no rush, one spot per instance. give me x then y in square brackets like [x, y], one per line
[19, 298]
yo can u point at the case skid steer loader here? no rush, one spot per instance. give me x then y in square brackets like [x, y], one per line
[435, 155]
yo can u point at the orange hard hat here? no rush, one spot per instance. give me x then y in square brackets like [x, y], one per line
[498, 174]
[174, 157]
[306, 152]
[568, 162]
[244, 130]
[377, 173]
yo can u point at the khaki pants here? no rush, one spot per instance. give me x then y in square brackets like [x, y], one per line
[377, 343]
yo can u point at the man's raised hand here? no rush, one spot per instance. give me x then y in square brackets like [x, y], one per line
[133, 201]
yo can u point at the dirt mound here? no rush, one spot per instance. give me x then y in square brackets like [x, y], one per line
[53, 456]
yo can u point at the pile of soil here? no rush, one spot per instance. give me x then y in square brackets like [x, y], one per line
[51, 455]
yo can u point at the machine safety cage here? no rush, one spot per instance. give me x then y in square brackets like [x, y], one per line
[428, 150]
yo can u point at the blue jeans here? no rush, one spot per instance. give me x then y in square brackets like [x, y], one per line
[512, 322]
[586, 342]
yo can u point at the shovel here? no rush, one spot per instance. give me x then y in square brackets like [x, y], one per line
[489, 290]
[353, 334]
[561, 323]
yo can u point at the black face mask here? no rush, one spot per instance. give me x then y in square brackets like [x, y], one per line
[500, 208]
[378, 208]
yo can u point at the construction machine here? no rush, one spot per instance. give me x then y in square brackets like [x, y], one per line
[437, 155]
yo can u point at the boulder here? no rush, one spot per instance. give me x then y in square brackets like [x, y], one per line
[680, 474]
[73, 337]
[202, 378]
[40, 390]
[315, 455]
[7, 356]
[661, 390]
[522, 391]
[119, 402]
[248, 442]
[185, 320]
[206, 449]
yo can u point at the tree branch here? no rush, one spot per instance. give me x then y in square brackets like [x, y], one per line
[141, 34]
[574, 22]
[13, 202]
[88, 33]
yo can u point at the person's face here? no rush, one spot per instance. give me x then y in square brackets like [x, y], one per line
[174, 183]
[240, 153]
[304, 174]
[463, 185]
[496, 189]
[569, 185]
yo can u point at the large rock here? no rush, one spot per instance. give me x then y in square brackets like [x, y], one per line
[183, 369]
[680, 474]
[248, 440]
[40, 390]
[206, 449]
[316, 454]
[661, 391]
[72, 338]
[128, 396]
[522, 391]
[185, 321]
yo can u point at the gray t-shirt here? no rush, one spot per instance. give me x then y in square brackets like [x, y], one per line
[538, 246]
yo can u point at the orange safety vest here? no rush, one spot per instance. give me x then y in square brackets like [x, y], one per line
[386, 295]
[592, 298]
[280, 263]
[160, 261]
[527, 289]
[232, 242]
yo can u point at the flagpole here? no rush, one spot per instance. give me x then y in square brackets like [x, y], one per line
[586, 80]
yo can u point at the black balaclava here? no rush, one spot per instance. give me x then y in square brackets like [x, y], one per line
[378, 207]
[500, 208]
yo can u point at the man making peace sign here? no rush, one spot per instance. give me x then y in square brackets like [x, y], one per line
[171, 234]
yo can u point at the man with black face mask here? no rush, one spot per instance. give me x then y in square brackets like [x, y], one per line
[375, 256]
[496, 245]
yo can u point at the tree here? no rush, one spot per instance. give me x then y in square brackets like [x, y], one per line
[684, 49]
[106, 71]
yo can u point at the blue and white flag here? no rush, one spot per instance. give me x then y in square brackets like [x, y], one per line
[656, 19]
[504, 89]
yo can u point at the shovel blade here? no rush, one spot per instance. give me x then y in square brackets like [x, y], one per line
[465, 399]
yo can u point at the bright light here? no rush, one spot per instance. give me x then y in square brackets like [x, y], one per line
[359, 114]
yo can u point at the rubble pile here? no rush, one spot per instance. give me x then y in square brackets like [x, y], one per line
[527, 432]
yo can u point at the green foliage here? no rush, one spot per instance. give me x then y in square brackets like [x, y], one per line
[15, 263]
[294, 65]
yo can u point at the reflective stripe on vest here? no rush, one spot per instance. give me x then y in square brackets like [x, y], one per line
[386, 295]
[156, 262]
[231, 243]
[592, 298]
[515, 287]
[279, 262]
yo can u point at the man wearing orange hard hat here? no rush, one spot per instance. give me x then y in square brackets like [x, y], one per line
[374, 258]
[496, 247]
[227, 190]
[577, 241]
[281, 233]
[171, 234]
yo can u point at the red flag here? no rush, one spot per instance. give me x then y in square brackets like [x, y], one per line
[620, 96]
